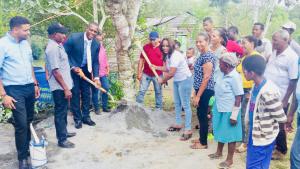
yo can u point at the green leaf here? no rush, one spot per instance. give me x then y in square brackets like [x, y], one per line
[57, 5]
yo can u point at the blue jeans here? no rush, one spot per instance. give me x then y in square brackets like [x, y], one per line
[182, 95]
[295, 150]
[298, 120]
[104, 97]
[144, 85]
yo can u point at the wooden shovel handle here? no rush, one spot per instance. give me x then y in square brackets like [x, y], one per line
[147, 60]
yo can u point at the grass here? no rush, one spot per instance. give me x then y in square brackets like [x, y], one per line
[169, 106]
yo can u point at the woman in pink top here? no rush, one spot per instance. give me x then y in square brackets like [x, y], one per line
[103, 73]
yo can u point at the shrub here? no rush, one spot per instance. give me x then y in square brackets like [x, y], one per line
[116, 88]
[36, 51]
[5, 113]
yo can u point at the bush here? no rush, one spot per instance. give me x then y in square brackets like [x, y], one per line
[5, 113]
[116, 88]
[36, 51]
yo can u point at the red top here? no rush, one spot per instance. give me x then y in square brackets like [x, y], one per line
[233, 46]
[156, 58]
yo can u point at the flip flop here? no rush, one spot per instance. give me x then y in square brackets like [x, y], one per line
[185, 137]
[173, 129]
[224, 165]
[195, 141]
[198, 146]
[241, 149]
[214, 156]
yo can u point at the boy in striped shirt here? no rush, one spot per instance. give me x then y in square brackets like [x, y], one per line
[263, 114]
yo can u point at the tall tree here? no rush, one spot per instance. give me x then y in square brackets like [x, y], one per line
[124, 14]
[222, 4]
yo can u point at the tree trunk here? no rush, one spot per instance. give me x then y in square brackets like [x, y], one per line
[95, 10]
[269, 17]
[124, 15]
[255, 7]
[103, 14]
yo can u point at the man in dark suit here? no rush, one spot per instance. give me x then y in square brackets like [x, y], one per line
[83, 50]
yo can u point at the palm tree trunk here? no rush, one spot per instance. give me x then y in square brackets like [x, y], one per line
[124, 14]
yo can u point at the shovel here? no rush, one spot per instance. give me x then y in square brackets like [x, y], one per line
[82, 75]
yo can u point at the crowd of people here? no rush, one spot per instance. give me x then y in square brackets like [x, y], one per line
[249, 86]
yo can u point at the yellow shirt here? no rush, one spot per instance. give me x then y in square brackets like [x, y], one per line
[246, 84]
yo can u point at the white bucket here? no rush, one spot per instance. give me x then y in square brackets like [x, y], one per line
[37, 150]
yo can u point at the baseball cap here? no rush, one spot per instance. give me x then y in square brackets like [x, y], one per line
[230, 58]
[153, 35]
[57, 28]
[289, 25]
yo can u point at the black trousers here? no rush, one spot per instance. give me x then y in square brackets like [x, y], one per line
[202, 111]
[81, 90]
[60, 116]
[23, 116]
[281, 144]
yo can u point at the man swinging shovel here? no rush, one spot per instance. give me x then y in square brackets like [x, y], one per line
[82, 75]
[150, 54]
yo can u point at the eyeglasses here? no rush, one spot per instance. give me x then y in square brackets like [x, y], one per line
[164, 45]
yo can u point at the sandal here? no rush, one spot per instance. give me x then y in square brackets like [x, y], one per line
[195, 141]
[241, 149]
[185, 137]
[198, 146]
[224, 165]
[215, 156]
[173, 129]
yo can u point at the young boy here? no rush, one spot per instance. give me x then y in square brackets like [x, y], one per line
[190, 58]
[263, 114]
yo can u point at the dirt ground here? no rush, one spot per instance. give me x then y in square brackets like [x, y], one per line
[131, 140]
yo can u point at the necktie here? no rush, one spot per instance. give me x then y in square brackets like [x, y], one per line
[88, 56]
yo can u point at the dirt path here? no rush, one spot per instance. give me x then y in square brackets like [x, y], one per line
[114, 145]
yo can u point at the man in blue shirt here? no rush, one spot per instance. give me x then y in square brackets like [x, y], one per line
[18, 86]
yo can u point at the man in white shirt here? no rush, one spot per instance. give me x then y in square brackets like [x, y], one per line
[282, 69]
[266, 48]
[291, 28]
